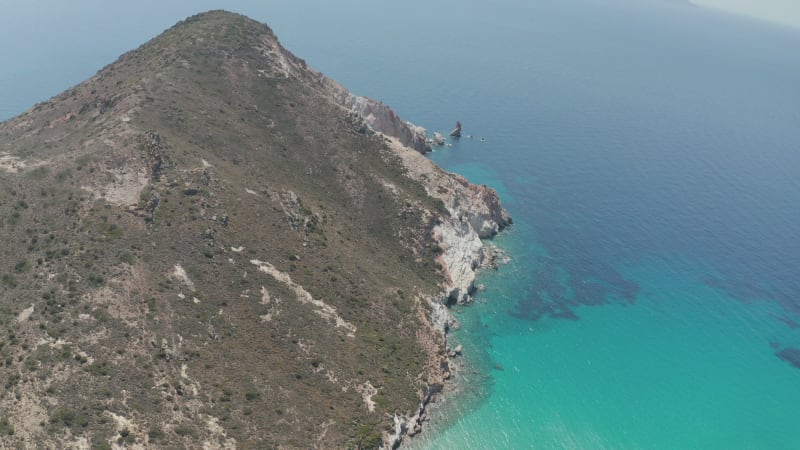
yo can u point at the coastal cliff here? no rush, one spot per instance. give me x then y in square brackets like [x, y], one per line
[380, 117]
[210, 244]
[473, 213]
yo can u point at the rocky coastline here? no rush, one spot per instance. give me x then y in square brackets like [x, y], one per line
[474, 214]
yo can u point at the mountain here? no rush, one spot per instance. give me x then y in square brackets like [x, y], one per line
[210, 244]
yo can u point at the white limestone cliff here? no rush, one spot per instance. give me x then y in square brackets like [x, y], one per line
[475, 213]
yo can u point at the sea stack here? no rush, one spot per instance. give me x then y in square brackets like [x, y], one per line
[456, 133]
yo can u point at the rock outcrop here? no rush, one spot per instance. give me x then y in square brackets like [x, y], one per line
[380, 117]
[438, 140]
[475, 213]
[456, 133]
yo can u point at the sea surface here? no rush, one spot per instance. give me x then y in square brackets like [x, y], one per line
[650, 156]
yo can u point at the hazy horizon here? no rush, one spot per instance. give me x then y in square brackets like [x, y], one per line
[786, 12]
[73, 55]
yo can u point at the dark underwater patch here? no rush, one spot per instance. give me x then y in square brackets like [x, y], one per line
[789, 322]
[790, 355]
[558, 291]
[748, 292]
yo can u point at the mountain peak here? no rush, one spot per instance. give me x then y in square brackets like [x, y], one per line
[215, 33]
[216, 22]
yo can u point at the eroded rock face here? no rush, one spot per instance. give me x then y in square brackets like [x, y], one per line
[380, 117]
[475, 213]
[154, 147]
[438, 140]
[482, 208]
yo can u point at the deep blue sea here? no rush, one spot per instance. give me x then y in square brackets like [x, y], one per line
[650, 156]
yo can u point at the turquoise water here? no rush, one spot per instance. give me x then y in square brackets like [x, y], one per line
[686, 367]
[650, 156]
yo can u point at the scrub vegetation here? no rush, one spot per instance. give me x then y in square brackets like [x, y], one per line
[200, 247]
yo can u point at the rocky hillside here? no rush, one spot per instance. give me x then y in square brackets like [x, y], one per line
[209, 244]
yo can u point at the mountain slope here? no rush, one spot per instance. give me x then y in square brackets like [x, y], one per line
[209, 243]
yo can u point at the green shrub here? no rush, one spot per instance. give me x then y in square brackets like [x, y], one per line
[156, 433]
[9, 280]
[5, 427]
[22, 266]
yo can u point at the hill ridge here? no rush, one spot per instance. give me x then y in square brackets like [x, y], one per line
[134, 207]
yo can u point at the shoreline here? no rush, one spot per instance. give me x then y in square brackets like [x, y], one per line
[457, 374]
[468, 370]
[475, 215]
